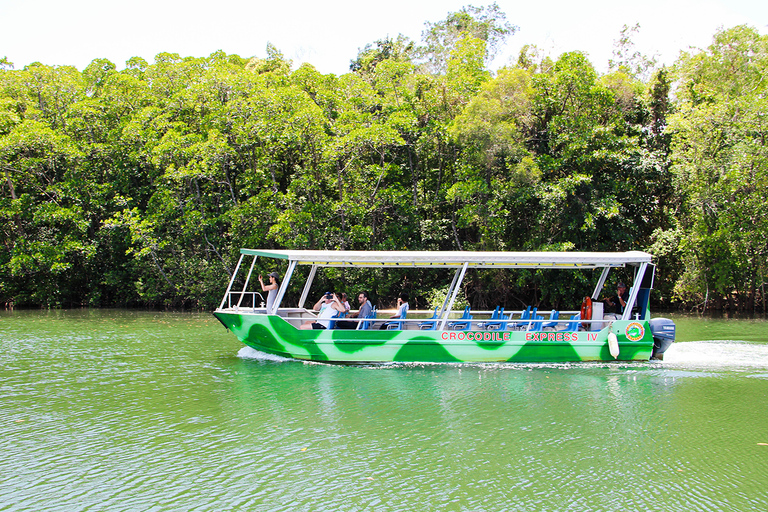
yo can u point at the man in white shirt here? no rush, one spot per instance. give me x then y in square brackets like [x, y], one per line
[402, 310]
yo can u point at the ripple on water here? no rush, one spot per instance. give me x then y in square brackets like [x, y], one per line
[163, 416]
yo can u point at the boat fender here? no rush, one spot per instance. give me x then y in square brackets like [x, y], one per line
[613, 344]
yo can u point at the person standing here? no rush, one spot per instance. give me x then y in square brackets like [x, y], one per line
[272, 287]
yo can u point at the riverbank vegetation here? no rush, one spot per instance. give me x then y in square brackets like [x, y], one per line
[137, 187]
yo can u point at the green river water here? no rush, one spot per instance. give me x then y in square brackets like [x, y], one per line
[125, 410]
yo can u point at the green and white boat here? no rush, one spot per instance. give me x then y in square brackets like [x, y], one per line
[581, 334]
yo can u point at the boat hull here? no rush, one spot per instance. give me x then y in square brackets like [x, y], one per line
[273, 335]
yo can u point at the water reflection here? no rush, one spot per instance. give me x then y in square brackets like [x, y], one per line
[547, 435]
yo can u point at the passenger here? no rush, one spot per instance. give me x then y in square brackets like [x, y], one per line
[329, 307]
[402, 310]
[362, 312]
[345, 303]
[272, 287]
[618, 302]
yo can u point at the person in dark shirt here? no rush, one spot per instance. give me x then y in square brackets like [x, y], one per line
[618, 302]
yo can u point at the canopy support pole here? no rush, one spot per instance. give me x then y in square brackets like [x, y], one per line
[450, 291]
[245, 286]
[283, 288]
[600, 283]
[453, 295]
[231, 281]
[635, 289]
[307, 285]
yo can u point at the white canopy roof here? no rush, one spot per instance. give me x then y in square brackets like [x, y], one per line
[455, 258]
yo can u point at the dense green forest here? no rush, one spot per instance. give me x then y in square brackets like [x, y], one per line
[137, 187]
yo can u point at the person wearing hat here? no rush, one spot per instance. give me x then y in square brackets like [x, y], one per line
[271, 288]
[618, 302]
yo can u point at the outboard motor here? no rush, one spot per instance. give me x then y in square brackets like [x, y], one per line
[663, 331]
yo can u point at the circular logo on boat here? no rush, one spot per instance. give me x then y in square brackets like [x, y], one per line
[635, 331]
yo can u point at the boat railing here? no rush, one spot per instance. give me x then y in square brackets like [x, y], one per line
[512, 325]
[422, 320]
[245, 300]
[426, 320]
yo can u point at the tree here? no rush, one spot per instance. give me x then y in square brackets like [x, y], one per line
[492, 130]
[626, 58]
[721, 168]
[488, 24]
[399, 50]
[45, 228]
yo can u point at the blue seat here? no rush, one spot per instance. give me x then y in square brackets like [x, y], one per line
[553, 316]
[431, 324]
[458, 325]
[397, 325]
[494, 316]
[525, 315]
[536, 323]
[534, 317]
[366, 324]
[574, 326]
[332, 323]
[498, 326]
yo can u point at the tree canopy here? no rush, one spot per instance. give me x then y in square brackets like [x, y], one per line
[138, 186]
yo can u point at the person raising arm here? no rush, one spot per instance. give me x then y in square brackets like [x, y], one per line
[271, 288]
[329, 307]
